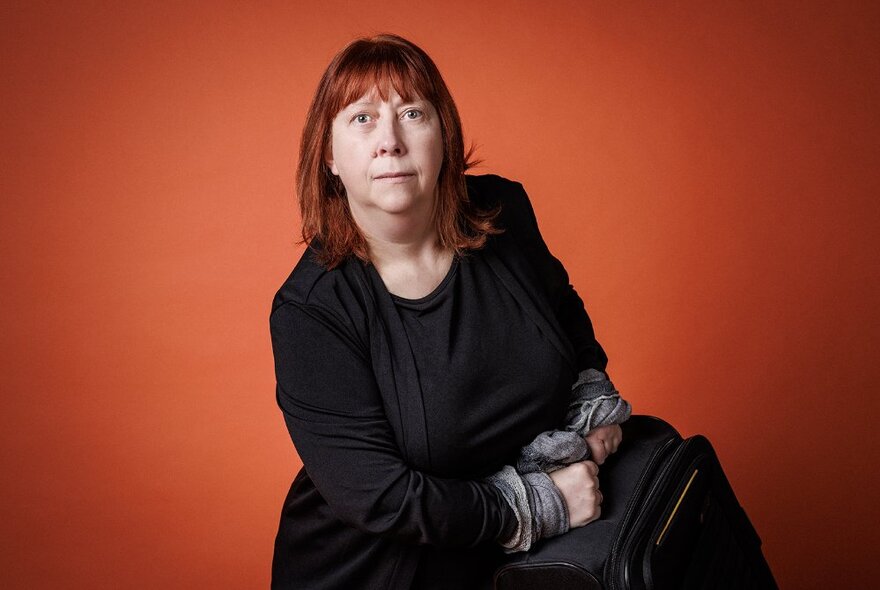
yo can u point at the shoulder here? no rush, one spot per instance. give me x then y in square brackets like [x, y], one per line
[488, 191]
[335, 298]
[300, 286]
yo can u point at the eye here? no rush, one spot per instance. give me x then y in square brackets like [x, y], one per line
[413, 114]
[362, 118]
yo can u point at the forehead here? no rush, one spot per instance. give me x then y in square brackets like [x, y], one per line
[377, 82]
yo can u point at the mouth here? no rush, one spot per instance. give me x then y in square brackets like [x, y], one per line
[393, 175]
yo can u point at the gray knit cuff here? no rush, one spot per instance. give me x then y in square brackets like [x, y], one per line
[594, 402]
[549, 511]
[511, 486]
[552, 450]
[540, 509]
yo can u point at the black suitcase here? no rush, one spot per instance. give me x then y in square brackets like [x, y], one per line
[670, 520]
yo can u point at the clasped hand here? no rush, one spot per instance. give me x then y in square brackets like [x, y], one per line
[579, 482]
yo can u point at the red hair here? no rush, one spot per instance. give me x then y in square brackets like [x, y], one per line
[382, 62]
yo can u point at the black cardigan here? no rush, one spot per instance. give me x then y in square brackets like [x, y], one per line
[365, 502]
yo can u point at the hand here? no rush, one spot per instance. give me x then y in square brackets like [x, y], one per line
[579, 485]
[603, 440]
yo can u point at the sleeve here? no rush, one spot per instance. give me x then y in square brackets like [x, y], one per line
[566, 303]
[334, 413]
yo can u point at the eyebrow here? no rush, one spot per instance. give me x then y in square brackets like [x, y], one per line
[369, 103]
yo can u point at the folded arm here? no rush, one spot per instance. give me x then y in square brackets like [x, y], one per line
[337, 421]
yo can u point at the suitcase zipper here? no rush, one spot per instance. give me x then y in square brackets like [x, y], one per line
[670, 472]
[677, 504]
[635, 501]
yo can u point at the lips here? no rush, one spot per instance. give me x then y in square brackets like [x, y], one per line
[394, 175]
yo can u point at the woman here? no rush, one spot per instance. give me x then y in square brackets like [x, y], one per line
[422, 343]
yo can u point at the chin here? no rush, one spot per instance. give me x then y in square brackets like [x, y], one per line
[396, 208]
[398, 203]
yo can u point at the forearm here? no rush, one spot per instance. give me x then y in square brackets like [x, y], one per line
[369, 486]
[538, 506]
[594, 403]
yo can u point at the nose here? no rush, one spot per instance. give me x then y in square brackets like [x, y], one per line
[388, 140]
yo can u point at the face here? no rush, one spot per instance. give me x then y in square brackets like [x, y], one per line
[388, 155]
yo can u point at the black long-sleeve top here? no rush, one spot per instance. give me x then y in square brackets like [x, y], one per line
[398, 408]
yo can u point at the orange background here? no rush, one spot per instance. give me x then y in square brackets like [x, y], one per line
[709, 175]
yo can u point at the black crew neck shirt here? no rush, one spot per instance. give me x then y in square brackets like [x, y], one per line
[476, 352]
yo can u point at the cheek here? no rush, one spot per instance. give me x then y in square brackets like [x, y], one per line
[344, 151]
[435, 149]
[346, 159]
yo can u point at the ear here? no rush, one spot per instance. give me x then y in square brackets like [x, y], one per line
[331, 164]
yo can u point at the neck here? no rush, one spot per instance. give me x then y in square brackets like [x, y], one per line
[405, 237]
[422, 250]
[405, 250]
[410, 269]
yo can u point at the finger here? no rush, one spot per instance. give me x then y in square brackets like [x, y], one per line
[597, 514]
[615, 436]
[611, 446]
[618, 436]
[597, 449]
[615, 444]
[592, 468]
[599, 496]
